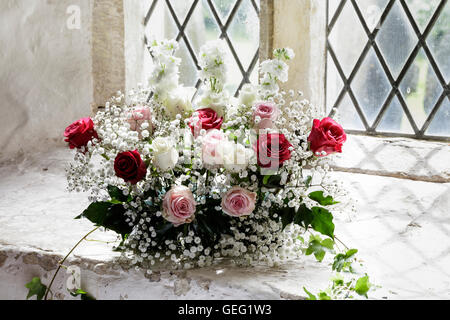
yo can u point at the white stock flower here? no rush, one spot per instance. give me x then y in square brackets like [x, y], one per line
[165, 155]
[248, 95]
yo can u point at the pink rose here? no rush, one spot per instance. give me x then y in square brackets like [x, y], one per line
[212, 141]
[138, 116]
[238, 202]
[79, 133]
[179, 206]
[268, 113]
[326, 137]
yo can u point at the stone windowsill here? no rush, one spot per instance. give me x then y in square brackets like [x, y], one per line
[401, 228]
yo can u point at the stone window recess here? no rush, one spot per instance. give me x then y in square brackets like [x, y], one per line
[388, 70]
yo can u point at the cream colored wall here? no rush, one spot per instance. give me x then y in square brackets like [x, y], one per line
[45, 67]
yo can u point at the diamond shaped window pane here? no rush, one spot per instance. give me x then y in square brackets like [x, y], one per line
[161, 23]
[332, 7]
[181, 8]
[395, 120]
[347, 34]
[347, 115]
[420, 88]
[372, 11]
[334, 84]
[371, 86]
[223, 8]
[202, 27]
[439, 42]
[422, 11]
[440, 124]
[396, 39]
[188, 70]
[244, 32]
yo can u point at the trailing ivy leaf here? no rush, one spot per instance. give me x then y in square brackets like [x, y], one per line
[319, 198]
[343, 261]
[108, 215]
[319, 247]
[36, 288]
[84, 295]
[323, 221]
[362, 286]
[310, 295]
[324, 296]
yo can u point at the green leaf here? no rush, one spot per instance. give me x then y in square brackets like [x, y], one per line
[84, 295]
[343, 261]
[108, 215]
[362, 286]
[324, 296]
[319, 247]
[323, 221]
[36, 288]
[319, 198]
[272, 181]
[117, 195]
[304, 216]
[310, 295]
[287, 216]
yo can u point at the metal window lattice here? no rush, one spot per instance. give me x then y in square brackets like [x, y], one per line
[181, 23]
[371, 45]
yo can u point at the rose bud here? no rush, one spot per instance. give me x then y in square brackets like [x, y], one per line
[179, 206]
[79, 133]
[268, 114]
[326, 137]
[130, 167]
[238, 202]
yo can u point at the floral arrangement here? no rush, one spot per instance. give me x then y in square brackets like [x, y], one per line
[191, 177]
[192, 182]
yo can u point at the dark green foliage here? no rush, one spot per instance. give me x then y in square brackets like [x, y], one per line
[36, 288]
[108, 215]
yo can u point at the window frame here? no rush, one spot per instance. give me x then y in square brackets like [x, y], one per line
[371, 130]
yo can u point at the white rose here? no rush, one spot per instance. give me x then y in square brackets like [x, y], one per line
[178, 101]
[235, 156]
[165, 155]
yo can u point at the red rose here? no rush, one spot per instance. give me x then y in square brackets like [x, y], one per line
[326, 136]
[130, 167]
[272, 150]
[79, 133]
[208, 119]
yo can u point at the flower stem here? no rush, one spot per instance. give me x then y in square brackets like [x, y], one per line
[65, 258]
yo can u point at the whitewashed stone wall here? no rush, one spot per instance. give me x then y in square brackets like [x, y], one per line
[59, 61]
[46, 78]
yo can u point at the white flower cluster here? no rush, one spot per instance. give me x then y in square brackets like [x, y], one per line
[173, 184]
[275, 70]
[213, 61]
